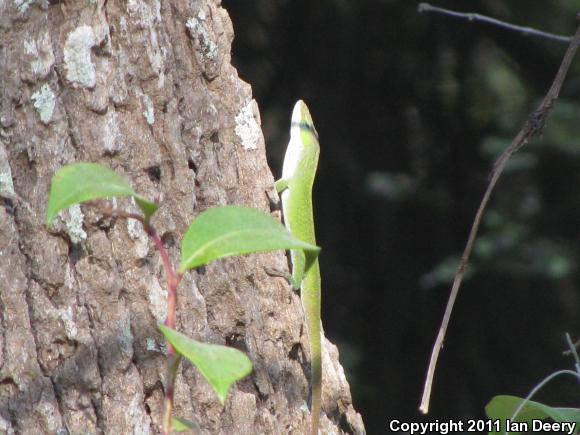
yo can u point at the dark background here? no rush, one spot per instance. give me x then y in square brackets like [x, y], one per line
[412, 110]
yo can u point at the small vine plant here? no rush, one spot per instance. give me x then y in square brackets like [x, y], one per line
[216, 233]
[514, 415]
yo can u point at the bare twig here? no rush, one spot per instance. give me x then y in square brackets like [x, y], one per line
[532, 128]
[425, 7]
[574, 353]
[575, 345]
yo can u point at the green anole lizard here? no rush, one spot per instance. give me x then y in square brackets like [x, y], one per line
[295, 188]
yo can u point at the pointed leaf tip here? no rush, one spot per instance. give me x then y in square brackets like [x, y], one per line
[234, 230]
[81, 182]
[181, 425]
[221, 366]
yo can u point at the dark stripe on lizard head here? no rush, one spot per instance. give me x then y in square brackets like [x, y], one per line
[305, 126]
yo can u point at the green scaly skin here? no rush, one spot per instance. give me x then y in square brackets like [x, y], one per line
[298, 173]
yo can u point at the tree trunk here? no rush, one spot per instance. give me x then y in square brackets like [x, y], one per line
[146, 88]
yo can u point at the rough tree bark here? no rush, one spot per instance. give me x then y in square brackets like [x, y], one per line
[147, 88]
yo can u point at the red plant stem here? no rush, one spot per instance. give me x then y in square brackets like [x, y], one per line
[172, 364]
[173, 280]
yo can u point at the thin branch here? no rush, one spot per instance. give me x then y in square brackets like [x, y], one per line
[425, 7]
[569, 352]
[532, 128]
[573, 352]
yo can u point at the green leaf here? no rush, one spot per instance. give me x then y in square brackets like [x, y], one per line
[233, 230]
[80, 182]
[147, 207]
[503, 407]
[220, 365]
[181, 425]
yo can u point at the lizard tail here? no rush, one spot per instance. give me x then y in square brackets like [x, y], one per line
[316, 380]
[311, 303]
